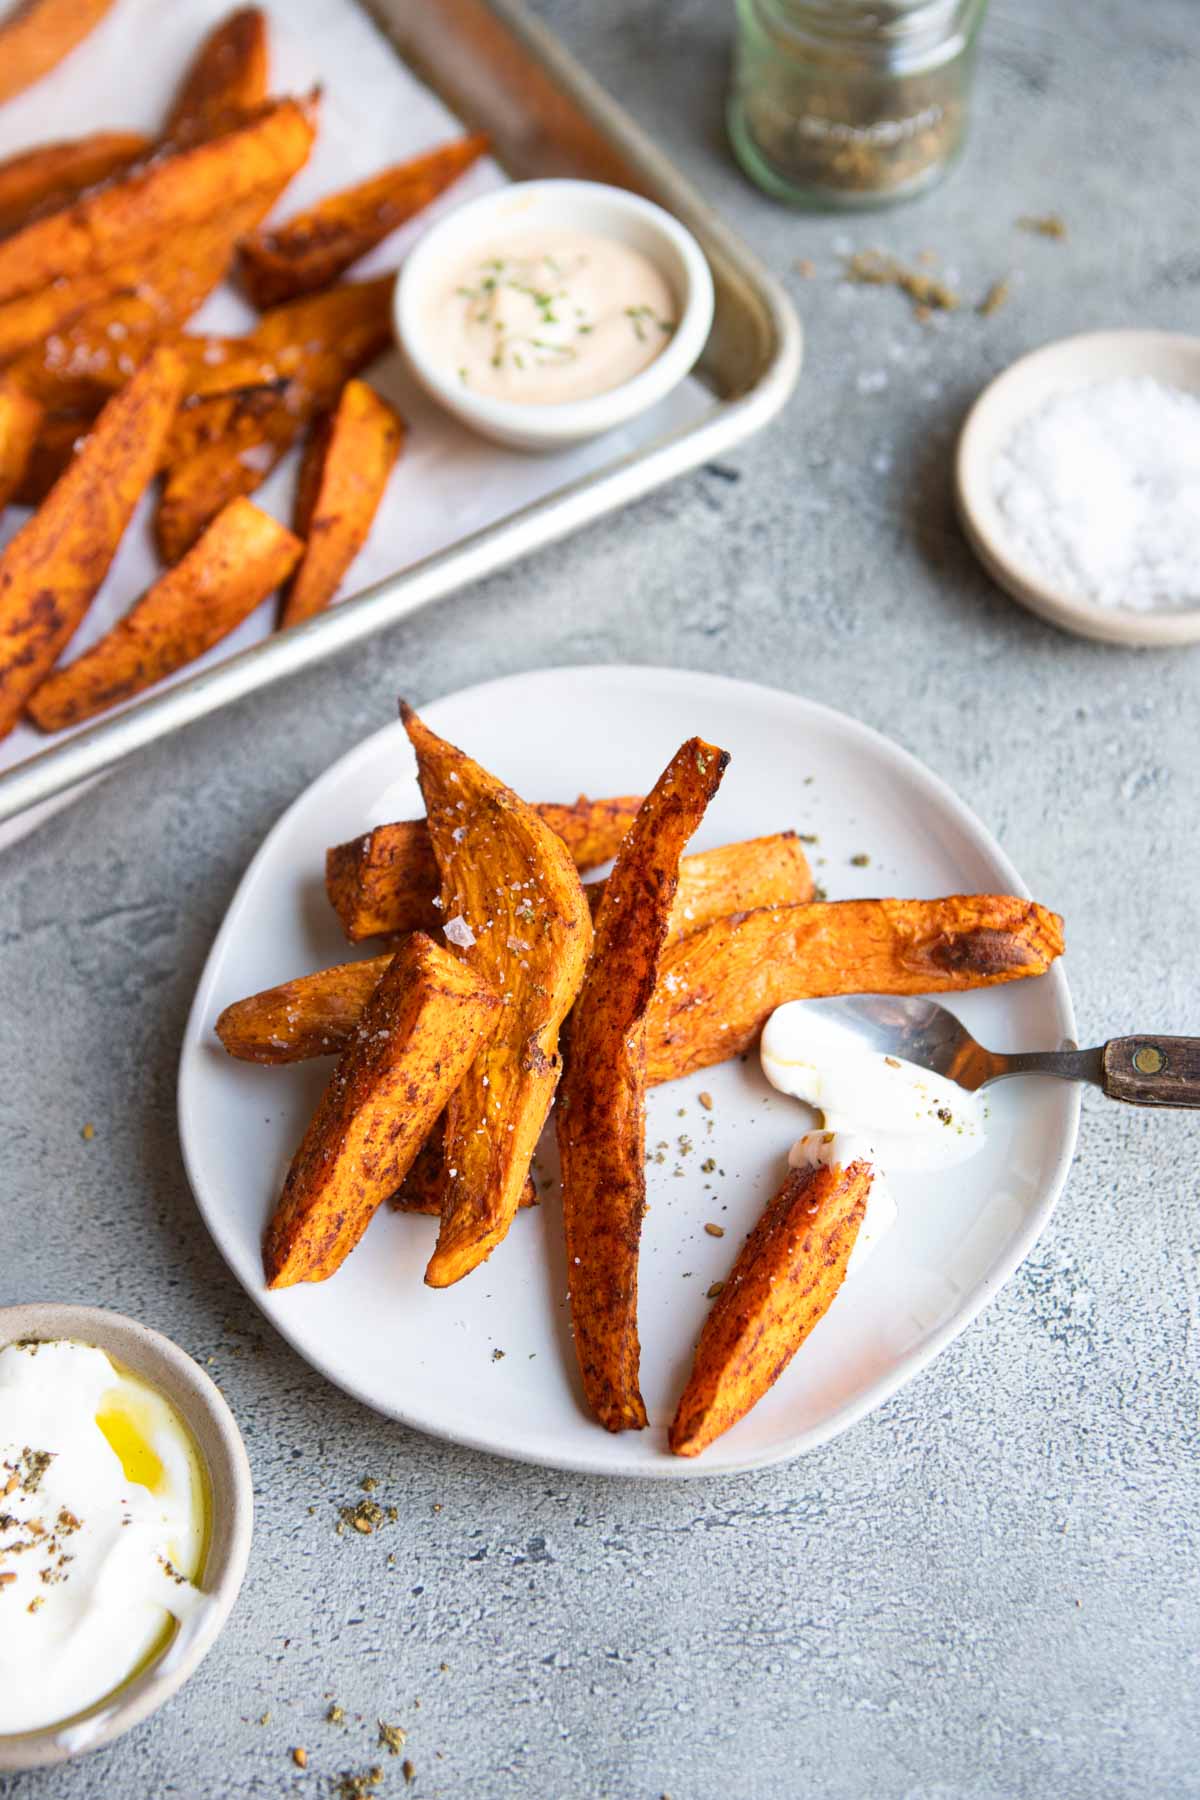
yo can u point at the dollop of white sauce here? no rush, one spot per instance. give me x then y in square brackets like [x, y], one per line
[875, 1108]
[95, 1563]
[547, 318]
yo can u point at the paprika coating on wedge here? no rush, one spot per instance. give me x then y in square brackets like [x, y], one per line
[513, 905]
[601, 1114]
[311, 249]
[342, 478]
[240, 560]
[421, 1189]
[424, 1024]
[784, 1281]
[228, 75]
[718, 987]
[387, 880]
[51, 571]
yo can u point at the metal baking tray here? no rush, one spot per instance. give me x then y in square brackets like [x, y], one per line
[503, 73]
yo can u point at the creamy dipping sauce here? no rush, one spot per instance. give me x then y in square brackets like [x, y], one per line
[888, 1112]
[103, 1518]
[550, 318]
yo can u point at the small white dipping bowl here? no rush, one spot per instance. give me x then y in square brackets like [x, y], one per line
[1059, 368]
[162, 1365]
[585, 206]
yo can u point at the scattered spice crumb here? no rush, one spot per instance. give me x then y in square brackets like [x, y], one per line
[359, 1787]
[1047, 225]
[706, 1100]
[336, 1714]
[407, 1770]
[366, 1517]
[871, 268]
[808, 837]
[266, 1719]
[861, 861]
[368, 1484]
[708, 1166]
[88, 1132]
[819, 893]
[996, 296]
[715, 1230]
[714, 1290]
[392, 1737]
[497, 1356]
[300, 1757]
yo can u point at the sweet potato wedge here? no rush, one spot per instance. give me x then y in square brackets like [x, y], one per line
[51, 570]
[36, 36]
[342, 479]
[425, 1023]
[312, 249]
[736, 878]
[52, 175]
[601, 1113]
[21, 419]
[387, 880]
[58, 438]
[784, 1281]
[983, 939]
[513, 904]
[312, 1015]
[160, 201]
[241, 559]
[227, 76]
[719, 986]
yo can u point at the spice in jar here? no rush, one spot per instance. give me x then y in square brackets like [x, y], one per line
[848, 103]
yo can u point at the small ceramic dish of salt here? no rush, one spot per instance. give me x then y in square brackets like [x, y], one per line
[1077, 479]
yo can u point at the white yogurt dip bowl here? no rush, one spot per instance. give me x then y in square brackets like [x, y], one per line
[520, 213]
[160, 1365]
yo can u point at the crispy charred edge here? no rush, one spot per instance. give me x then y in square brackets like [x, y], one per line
[690, 1431]
[985, 951]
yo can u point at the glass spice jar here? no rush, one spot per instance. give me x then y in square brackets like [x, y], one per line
[851, 103]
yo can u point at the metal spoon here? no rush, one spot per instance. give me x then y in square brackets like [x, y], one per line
[1146, 1071]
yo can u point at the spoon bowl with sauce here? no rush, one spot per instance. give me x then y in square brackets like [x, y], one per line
[548, 312]
[124, 1532]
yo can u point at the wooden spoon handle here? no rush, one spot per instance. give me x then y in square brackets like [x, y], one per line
[1153, 1071]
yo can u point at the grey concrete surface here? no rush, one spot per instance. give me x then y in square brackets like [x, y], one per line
[986, 1591]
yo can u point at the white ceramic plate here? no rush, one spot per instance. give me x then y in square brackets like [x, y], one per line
[1058, 368]
[429, 1358]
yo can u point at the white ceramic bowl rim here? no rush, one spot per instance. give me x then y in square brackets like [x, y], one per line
[1059, 367]
[204, 1410]
[581, 417]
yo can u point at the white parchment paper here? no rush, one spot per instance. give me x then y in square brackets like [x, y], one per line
[448, 483]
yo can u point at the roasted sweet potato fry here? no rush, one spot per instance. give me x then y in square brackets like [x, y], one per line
[424, 1025]
[36, 36]
[387, 880]
[241, 559]
[421, 1189]
[312, 249]
[20, 421]
[601, 1113]
[226, 443]
[228, 75]
[718, 987]
[313, 1015]
[513, 904]
[42, 180]
[342, 480]
[736, 878]
[162, 200]
[784, 1281]
[50, 572]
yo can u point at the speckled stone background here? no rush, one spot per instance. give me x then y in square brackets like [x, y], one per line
[986, 1591]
